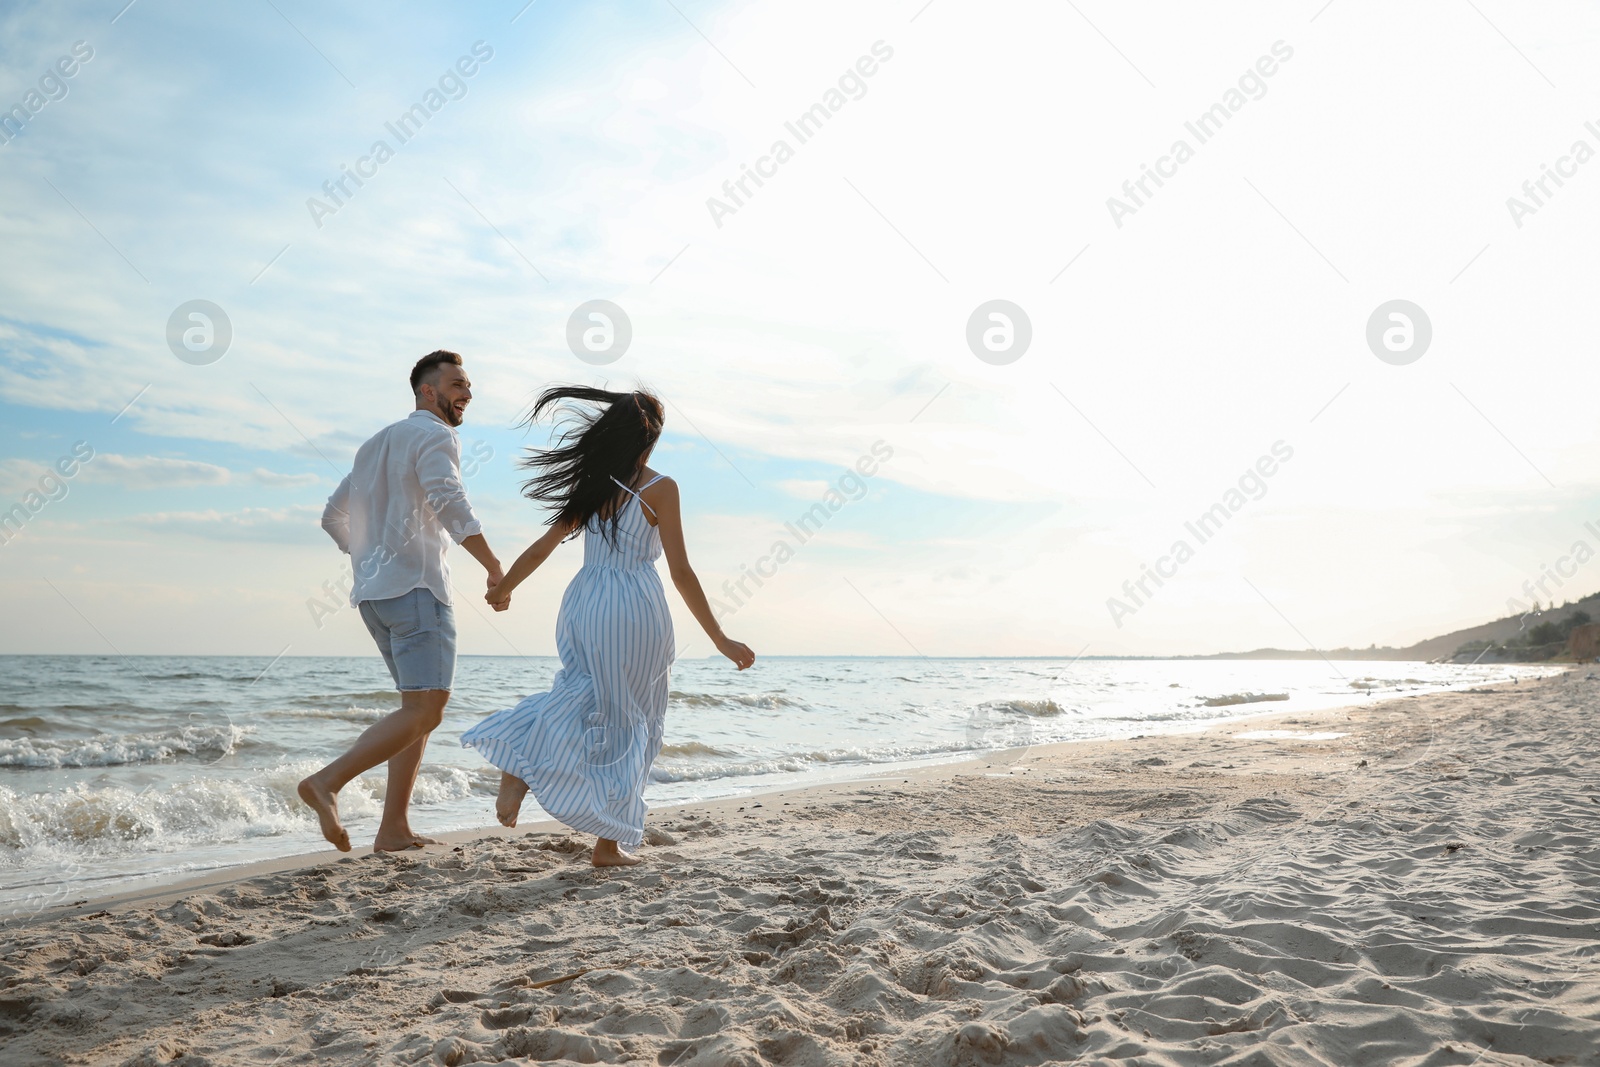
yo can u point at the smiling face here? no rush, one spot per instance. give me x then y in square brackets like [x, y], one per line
[446, 392]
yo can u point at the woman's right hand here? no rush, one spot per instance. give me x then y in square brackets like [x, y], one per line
[737, 651]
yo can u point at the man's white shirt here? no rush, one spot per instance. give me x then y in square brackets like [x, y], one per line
[394, 509]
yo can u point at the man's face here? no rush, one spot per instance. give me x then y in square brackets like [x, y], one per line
[449, 396]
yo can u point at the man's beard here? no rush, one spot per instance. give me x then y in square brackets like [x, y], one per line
[447, 412]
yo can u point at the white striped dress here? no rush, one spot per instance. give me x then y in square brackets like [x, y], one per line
[585, 748]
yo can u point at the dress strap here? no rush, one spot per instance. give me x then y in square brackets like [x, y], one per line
[635, 494]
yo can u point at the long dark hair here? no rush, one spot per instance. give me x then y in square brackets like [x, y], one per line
[604, 435]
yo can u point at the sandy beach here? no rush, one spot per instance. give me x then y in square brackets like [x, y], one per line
[1412, 882]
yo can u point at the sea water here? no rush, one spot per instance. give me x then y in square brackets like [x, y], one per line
[122, 771]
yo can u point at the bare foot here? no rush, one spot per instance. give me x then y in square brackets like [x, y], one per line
[607, 854]
[399, 841]
[509, 802]
[323, 802]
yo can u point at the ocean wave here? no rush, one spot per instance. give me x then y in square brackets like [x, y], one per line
[347, 714]
[1187, 714]
[337, 700]
[89, 819]
[799, 762]
[92, 818]
[101, 707]
[1369, 683]
[115, 750]
[691, 748]
[750, 768]
[23, 724]
[1038, 709]
[1241, 698]
[724, 700]
[436, 783]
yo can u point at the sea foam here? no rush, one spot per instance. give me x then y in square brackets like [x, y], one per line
[114, 750]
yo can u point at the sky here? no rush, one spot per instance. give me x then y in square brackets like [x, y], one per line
[1195, 347]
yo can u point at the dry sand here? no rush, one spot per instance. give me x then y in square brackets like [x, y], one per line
[1424, 890]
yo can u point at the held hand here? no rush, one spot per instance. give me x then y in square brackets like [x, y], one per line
[497, 598]
[502, 601]
[737, 651]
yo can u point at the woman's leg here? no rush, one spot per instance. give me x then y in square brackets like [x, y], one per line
[607, 854]
[509, 802]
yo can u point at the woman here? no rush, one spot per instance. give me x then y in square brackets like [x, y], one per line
[585, 748]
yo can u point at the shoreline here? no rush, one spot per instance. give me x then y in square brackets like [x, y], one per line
[184, 884]
[134, 803]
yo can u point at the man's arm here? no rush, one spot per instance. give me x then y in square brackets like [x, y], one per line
[479, 547]
[439, 471]
[336, 516]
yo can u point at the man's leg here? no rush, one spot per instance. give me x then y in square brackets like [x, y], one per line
[419, 715]
[394, 832]
[416, 635]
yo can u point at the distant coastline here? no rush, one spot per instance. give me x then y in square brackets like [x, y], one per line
[1541, 635]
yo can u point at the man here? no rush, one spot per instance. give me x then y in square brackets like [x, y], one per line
[391, 514]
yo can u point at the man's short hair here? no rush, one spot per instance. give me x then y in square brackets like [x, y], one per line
[428, 367]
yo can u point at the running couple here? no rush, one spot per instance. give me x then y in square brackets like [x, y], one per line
[584, 748]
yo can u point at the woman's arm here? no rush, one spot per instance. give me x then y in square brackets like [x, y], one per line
[663, 500]
[526, 564]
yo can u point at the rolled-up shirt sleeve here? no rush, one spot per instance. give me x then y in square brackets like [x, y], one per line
[336, 516]
[439, 471]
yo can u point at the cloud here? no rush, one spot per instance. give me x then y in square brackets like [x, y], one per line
[804, 488]
[152, 472]
[161, 472]
[17, 476]
[273, 480]
[290, 525]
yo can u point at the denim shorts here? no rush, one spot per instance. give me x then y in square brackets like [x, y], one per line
[417, 636]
